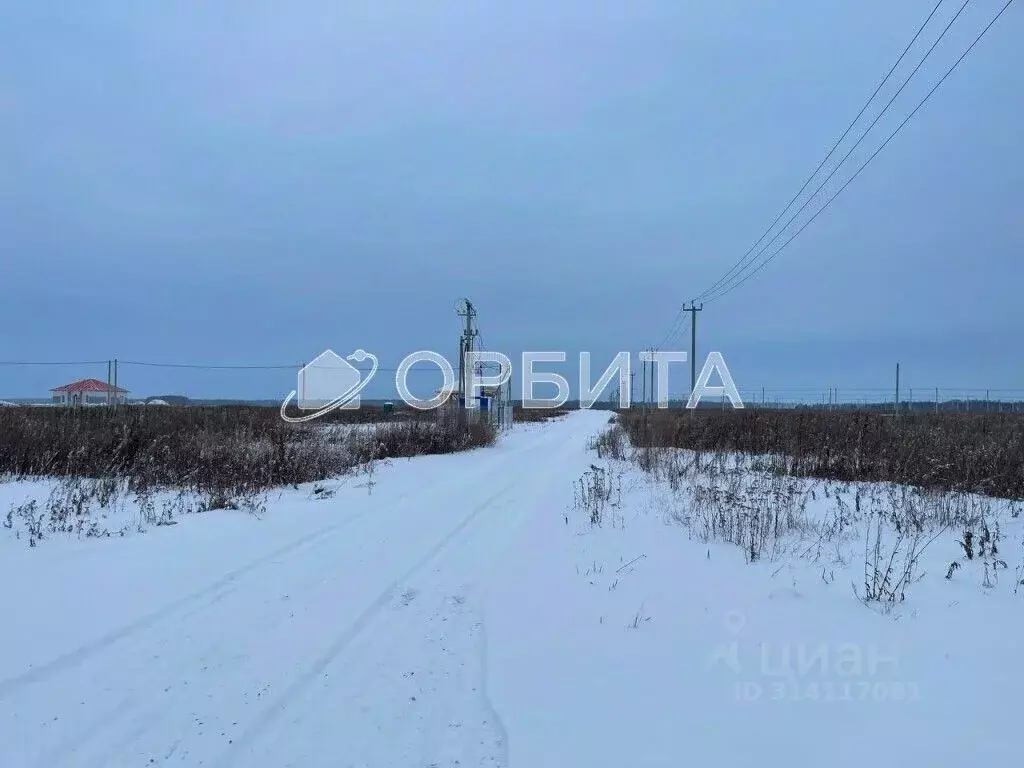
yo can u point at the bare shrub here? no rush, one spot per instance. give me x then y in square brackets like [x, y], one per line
[597, 492]
[890, 567]
[752, 510]
[611, 444]
[448, 434]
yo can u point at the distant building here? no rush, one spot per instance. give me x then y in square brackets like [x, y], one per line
[88, 392]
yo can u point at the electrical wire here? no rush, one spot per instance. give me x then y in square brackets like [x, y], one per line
[824, 160]
[78, 362]
[292, 366]
[737, 283]
[711, 294]
[680, 326]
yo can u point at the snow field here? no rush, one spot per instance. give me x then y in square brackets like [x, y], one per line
[463, 610]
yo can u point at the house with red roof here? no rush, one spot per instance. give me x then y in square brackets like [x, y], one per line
[88, 392]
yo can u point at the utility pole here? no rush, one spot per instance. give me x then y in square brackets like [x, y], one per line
[632, 389]
[643, 384]
[897, 389]
[115, 382]
[468, 311]
[110, 373]
[653, 366]
[693, 309]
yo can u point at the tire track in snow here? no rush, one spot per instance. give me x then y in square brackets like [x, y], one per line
[260, 723]
[263, 722]
[212, 653]
[83, 652]
[86, 734]
[123, 737]
[105, 642]
[499, 724]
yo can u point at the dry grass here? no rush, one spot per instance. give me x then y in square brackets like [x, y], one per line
[967, 452]
[225, 451]
[783, 485]
[536, 415]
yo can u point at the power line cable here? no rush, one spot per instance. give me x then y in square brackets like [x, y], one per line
[741, 262]
[722, 287]
[74, 362]
[200, 366]
[835, 146]
[736, 284]
[679, 327]
[197, 366]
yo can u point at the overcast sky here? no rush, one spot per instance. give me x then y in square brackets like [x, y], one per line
[247, 182]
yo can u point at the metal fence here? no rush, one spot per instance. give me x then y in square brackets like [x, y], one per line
[912, 399]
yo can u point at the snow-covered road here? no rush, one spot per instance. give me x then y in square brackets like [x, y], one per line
[338, 632]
